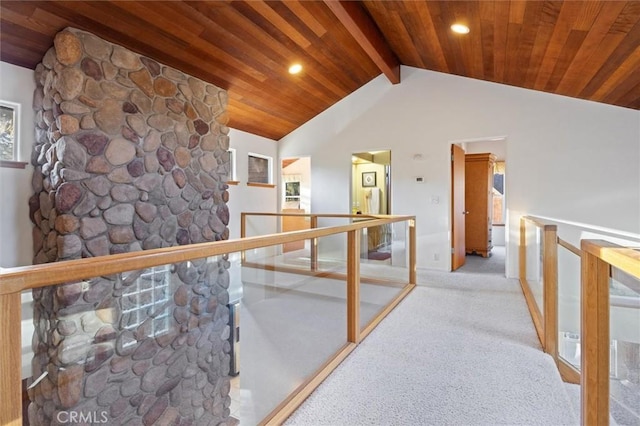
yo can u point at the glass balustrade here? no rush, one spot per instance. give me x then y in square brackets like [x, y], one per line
[198, 339]
[624, 364]
[569, 306]
[383, 269]
[534, 263]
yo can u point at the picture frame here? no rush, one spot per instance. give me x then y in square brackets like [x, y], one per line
[9, 130]
[259, 168]
[368, 179]
[292, 191]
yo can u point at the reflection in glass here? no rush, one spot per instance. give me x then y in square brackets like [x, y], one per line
[534, 270]
[624, 300]
[291, 324]
[569, 306]
[383, 268]
[150, 344]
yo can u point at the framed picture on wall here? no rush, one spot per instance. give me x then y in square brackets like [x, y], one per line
[368, 179]
[9, 116]
[292, 191]
[259, 168]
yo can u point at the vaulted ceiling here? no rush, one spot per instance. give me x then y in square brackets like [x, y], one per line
[584, 49]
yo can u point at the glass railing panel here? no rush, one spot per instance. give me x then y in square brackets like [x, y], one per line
[534, 246]
[291, 324]
[383, 267]
[569, 306]
[296, 254]
[257, 225]
[624, 367]
[332, 249]
[148, 346]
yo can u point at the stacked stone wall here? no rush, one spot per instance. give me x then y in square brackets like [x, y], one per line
[130, 154]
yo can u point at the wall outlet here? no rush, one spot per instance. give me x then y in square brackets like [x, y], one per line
[436, 256]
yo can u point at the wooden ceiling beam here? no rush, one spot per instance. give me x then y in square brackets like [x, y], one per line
[366, 33]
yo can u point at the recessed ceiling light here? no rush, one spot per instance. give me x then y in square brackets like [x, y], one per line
[460, 29]
[295, 69]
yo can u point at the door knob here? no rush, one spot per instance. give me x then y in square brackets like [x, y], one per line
[465, 212]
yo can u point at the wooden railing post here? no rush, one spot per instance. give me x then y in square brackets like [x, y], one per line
[550, 289]
[522, 266]
[243, 234]
[353, 286]
[594, 319]
[314, 245]
[412, 251]
[10, 359]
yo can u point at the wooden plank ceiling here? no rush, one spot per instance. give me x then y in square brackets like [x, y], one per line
[584, 49]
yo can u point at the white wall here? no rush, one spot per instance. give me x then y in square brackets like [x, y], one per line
[16, 247]
[243, 198]
[497, 148]
[17, 85]
[567, 158]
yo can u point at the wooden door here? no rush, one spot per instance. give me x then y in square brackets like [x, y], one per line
[457, 207]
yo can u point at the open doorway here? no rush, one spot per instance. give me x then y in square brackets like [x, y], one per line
[371, 182]
[478, 218]
[296, 198]
[371, 195]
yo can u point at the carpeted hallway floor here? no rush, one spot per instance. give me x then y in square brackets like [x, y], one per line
[459, 350]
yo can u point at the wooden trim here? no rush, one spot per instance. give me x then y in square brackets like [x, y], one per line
[540, 223]
[536, 315]
[322, 274]
[10, 359]
[623, 258]
[314, 245]
[594, 315]
[550, 290]
[15, 280]
[522, 252]
[364, 30]
[332, 215]
[568, 372]
[261, 185]
[233, 182]
[412, 252]
[297, 397]
[573, 249]
[13, 164]
[353, 286]
[391, 306]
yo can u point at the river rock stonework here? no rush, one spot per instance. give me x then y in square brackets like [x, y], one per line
[130, 155]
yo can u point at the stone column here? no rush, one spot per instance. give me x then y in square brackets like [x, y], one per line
[130, 154]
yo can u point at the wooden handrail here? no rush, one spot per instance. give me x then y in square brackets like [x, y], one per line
[597, 257]
[15, 280]
[573, 249]
[323, 215]
[18, 279]
[540, 223]
[624, 258]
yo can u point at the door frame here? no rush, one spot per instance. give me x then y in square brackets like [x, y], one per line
[457, 197]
